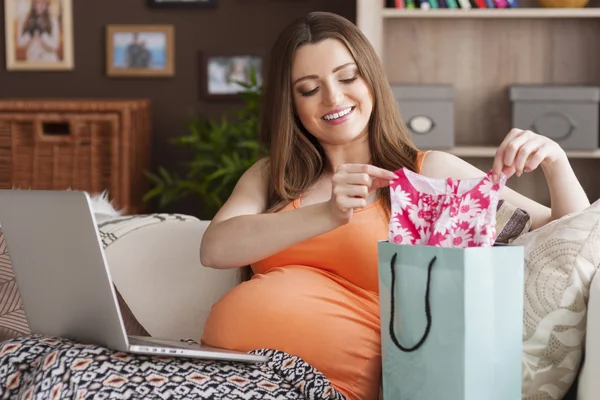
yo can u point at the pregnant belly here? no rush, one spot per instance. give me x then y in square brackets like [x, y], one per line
[330, 324]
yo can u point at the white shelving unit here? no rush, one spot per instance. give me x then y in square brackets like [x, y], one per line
[481, 52]
[489, 152]
[493, 13]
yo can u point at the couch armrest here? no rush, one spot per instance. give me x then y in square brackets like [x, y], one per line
[157, 270]
[589, 384]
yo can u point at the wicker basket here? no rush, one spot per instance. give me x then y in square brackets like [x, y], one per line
[91, 145]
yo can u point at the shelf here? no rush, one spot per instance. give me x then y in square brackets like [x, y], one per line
[489, 152]
[532, 12]
[482, 52]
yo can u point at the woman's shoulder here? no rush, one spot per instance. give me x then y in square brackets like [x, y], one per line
[257, 174]
[421, 154]
[441, 164]
[249, 196]
[257, 170]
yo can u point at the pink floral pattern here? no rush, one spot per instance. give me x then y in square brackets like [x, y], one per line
[443, 212]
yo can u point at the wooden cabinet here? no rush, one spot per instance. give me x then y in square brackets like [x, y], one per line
[90, 145]
[481, 52]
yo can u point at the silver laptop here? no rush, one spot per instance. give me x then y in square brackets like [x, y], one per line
[64, 279]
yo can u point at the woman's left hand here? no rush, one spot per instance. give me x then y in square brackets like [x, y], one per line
[523, 151]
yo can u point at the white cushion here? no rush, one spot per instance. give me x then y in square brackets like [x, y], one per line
[589, 384]
[561, 259]
[158, 272]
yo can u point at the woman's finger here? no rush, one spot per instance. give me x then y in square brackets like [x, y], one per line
[358, 179]
[524, 152]
[508, 171]
[512, 148]
[378, 184]
[371, 170]
[352, 190]
[346, 203]
[498, 163]
[536, 158]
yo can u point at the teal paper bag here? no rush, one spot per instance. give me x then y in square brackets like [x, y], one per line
[451, 322]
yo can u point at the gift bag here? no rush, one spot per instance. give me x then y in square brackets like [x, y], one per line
[451, 301]
[451, 322]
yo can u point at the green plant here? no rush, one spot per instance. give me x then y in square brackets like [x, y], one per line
[222, 150]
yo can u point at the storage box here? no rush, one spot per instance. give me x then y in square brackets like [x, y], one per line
[90, 145]
[428, 111]
[566, 114]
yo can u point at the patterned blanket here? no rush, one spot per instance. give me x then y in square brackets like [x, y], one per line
[36, 367]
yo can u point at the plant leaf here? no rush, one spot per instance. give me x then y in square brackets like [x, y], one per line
[222, 150]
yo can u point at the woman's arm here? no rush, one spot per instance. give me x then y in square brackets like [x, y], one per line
[566, 193]
[51, 41]
[442, 165]
[241, 233]
[524, 151]
[521, 151]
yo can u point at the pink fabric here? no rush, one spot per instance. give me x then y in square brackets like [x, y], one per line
[443, 212]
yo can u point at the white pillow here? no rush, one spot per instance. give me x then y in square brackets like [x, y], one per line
[561, 259]
[156, 267]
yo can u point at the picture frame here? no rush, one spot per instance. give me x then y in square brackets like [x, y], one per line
[219, 73]
[140, 51]
[183, 3]
[39, 35]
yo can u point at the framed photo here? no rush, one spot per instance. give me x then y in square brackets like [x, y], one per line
[220, 74]
[38, 34]
[183, 3]
[140, 50]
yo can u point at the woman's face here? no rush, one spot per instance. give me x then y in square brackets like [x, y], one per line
[331, 99]
[39, 6]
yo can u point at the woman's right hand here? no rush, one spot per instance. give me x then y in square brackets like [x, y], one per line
[351, 184]
[256, 234]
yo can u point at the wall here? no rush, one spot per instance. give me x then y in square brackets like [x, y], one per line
[236, 25]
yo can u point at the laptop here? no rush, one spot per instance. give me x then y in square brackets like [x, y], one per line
[64, 279]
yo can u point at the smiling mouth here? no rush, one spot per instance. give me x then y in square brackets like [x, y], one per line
[334, 116]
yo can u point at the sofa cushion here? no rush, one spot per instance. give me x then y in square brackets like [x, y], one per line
[158, 271]
[560, 261]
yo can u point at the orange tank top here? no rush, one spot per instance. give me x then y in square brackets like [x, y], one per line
[318, 300]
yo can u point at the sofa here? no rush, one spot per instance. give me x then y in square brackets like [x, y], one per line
[155, 264]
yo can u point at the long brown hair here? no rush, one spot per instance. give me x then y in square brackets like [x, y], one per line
[296, 159]
[38, 22]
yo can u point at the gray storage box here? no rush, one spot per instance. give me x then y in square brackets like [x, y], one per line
[428, 111]
[566, 114]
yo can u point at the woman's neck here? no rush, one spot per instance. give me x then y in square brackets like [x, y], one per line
[353, 153]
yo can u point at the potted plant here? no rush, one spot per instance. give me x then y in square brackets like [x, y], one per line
[222, 150]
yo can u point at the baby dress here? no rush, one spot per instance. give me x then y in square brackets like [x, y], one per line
[443, 212]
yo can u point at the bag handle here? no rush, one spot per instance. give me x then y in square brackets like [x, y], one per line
[427, 307]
